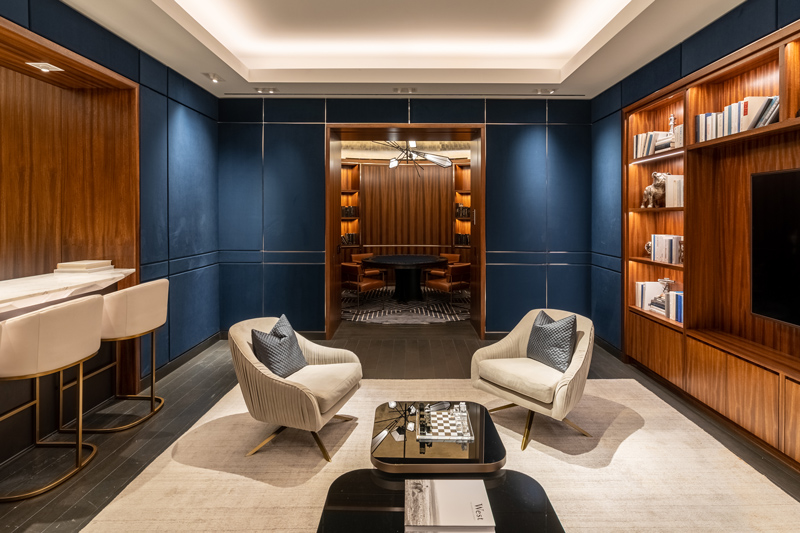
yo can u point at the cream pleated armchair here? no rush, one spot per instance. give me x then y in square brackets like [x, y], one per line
[504, 370]
[305, 400]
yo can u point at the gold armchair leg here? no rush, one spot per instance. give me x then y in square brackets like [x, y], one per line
[344, 417]
[576, 427]
[275, 434]
[527, 435]
[321, 446]
[502, 407]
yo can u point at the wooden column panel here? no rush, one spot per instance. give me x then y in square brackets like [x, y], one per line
[657, 347]
[753, 399]
[791, 436]
[706, 375]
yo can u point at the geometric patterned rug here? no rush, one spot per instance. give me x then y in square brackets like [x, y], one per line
[380, 307]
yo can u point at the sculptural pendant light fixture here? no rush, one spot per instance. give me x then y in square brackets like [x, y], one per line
[410, 155]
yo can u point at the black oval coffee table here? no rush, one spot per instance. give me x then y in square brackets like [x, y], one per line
[407, 272]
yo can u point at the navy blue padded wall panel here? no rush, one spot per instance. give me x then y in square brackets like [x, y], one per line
[569, 181]
[192, 95]
[240, 293]
[569, 287]
[162, 337]
[607, 102]
[655, 75]
[569, 111]
[240, 188]
[516, 174]
[294, 187]
[294, 110]
[241, 110]
[192, 182]
[60, 23]
[152, 73]
[193, 308]
[607, 305]
[16, 11]
[788, 12]
[362, 110]
[512, 291]
[298, 291]
[606, 185]
[153, 182]
[739, 27]
[435, 110]
[516, 111]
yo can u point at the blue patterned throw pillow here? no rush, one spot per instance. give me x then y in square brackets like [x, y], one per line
[278, 350]
[552, 342]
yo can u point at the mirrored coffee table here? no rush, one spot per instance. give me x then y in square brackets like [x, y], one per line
[396, 450]
[370, 500]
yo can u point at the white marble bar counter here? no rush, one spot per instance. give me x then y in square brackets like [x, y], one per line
[36, 290]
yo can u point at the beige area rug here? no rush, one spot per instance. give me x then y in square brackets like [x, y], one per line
[647, 468]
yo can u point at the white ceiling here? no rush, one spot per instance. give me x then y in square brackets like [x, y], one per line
[577, 48]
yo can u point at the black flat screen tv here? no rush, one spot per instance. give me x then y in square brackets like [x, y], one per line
[775, 245]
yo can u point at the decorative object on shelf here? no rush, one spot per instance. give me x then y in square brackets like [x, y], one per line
[648, 247]
[666, 282]
[409, 155]
[680, 257]
[654, 194]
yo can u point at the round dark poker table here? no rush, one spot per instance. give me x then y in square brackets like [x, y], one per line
[407, 272]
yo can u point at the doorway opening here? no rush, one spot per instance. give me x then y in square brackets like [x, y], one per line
[405, 238]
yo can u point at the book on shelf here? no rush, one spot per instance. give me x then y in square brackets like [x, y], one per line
[678, 136]
[666, 248]
[447, 505]
[462, 239]
[350, 239]
[646, 291]
[750, 113]
[674, 305]
[652, 142]
[673, 191]
[86, 266]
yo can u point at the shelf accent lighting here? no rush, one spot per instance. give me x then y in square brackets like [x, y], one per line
[46, 67]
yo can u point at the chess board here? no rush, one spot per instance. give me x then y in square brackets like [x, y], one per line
[443, 426]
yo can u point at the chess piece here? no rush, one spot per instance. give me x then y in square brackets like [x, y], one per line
[392, 405]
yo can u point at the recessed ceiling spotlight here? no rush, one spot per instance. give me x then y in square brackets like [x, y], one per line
[405, 90]
[213, 77]
[267, 90]
[46, 67]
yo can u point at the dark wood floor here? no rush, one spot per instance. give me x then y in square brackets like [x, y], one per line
[401, 352]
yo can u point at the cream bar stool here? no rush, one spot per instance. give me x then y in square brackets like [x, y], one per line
[48, 341]
[128, 314]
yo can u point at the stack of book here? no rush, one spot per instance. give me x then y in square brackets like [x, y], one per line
[673, 192]
[85, 266]
[666, 248]
[650, 296]
[349, 211]
[462, 239]
[349, 239]
[462, 211]
[750, 113]
[654, 142]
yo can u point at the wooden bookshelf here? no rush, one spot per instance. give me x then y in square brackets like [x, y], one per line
[462, 225]
[351, 183]
[744, 366]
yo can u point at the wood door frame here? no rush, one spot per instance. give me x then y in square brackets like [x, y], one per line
[334, 134]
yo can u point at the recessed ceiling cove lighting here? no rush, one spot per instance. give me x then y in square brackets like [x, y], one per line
[46, 67]
[213, 77]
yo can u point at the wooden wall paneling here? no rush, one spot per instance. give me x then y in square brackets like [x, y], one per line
[706, 375]
[400, 208]
[101, 178]
[30, 176]
[753, 399]
[336, 180]
[790, 81]
[791, 435]
[657, 347]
